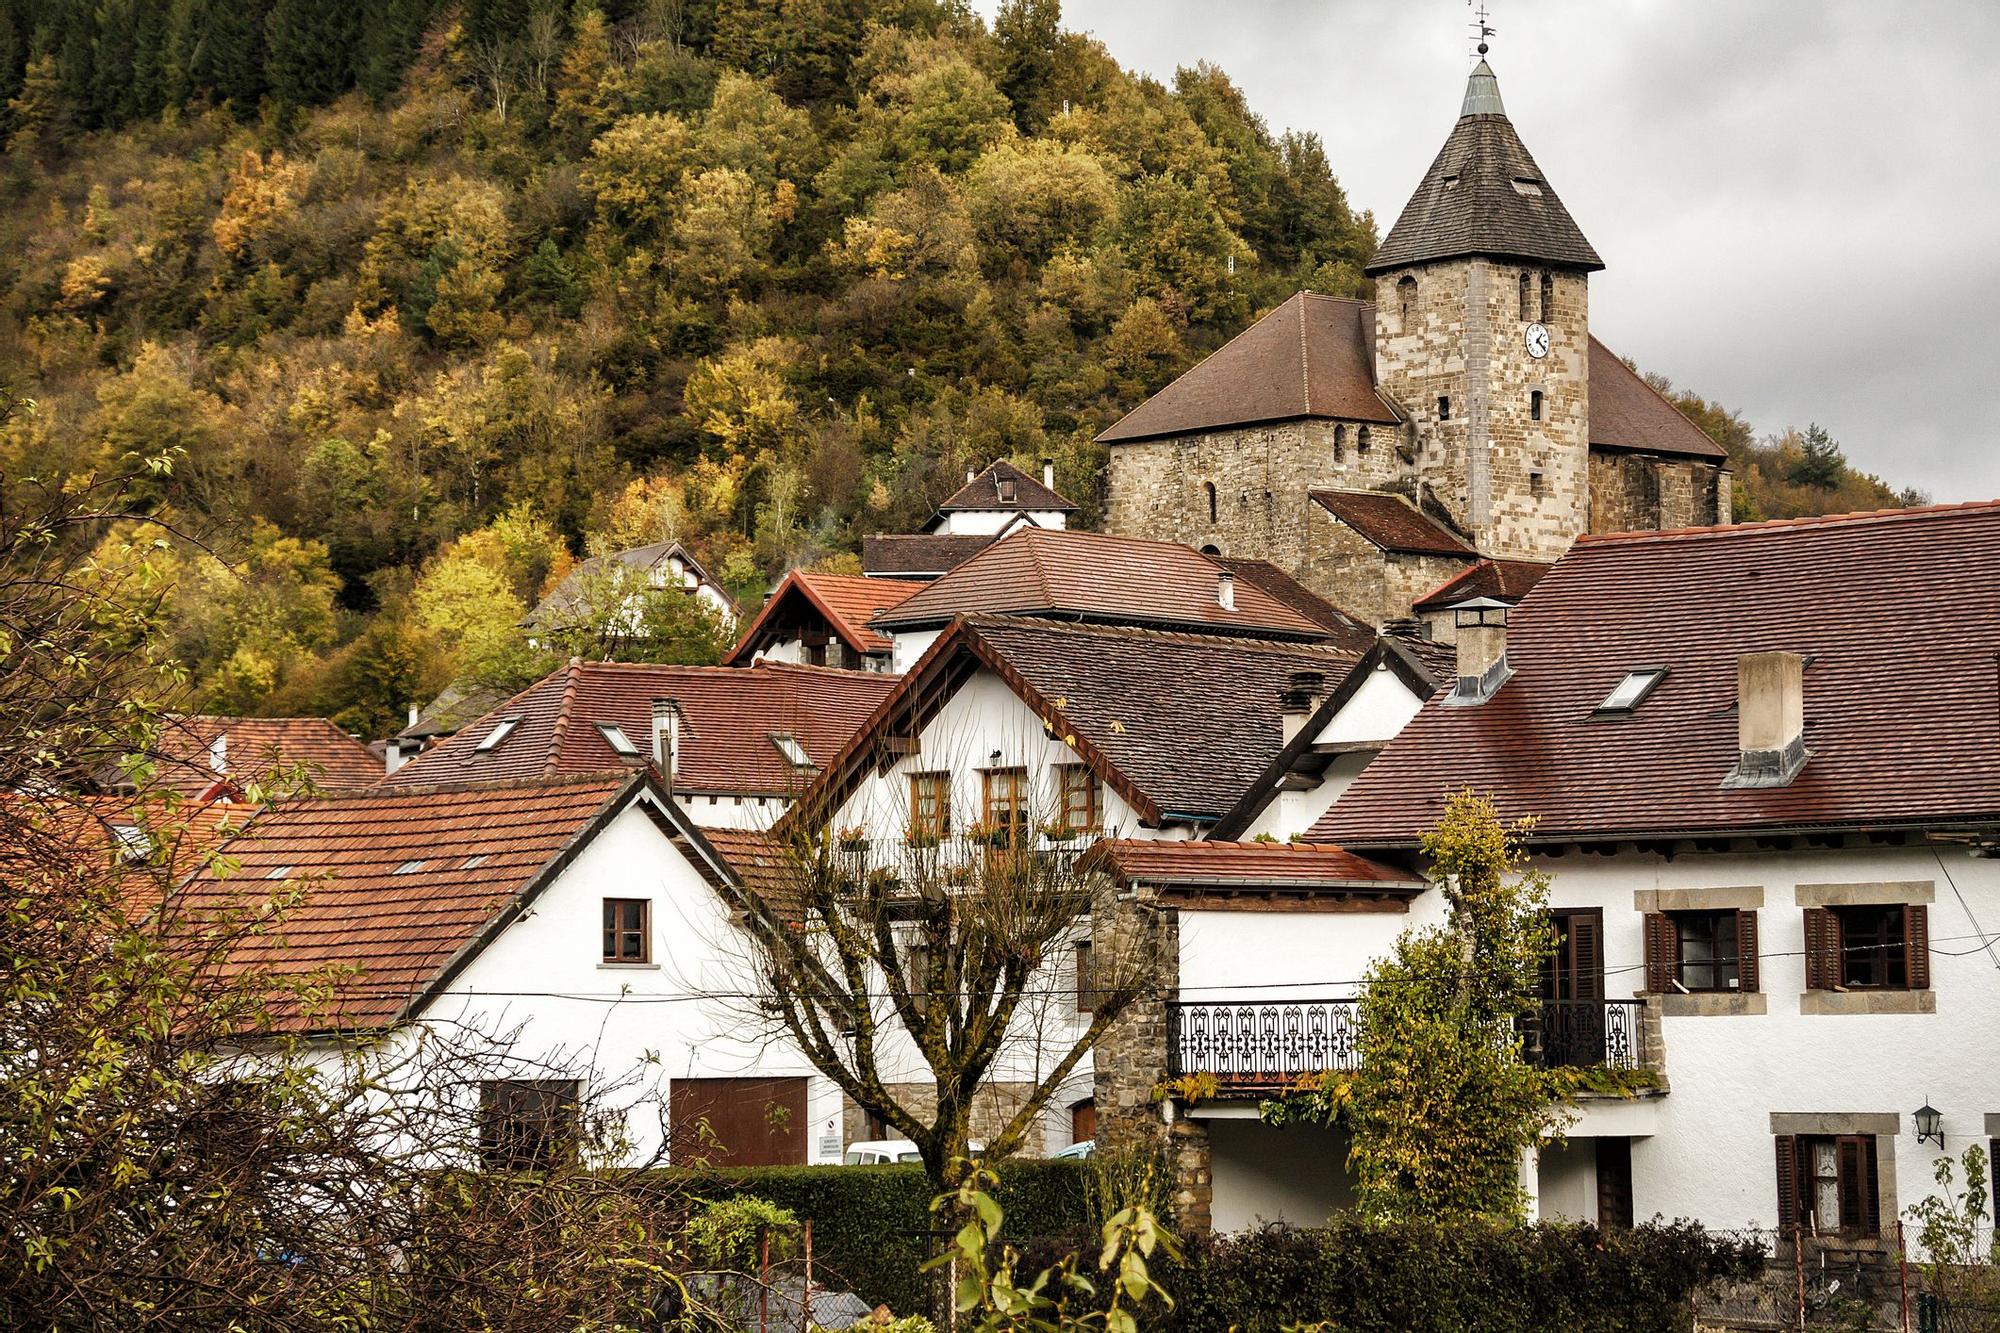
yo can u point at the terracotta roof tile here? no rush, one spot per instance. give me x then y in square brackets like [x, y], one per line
[1273, 864]
[1628, 413]
[760, 862]
[253, 748]
[1392, 523]
[394, 883]
[1506, 580]
[847, 601]
[728, 713]
[1313, 356]
[1092, 576]
[1899, 611]
[1003, 486]
[919, 554]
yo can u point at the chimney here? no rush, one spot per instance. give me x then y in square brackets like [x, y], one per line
[972, 474]
[218, 753]
[1481, 623]
[1225, 590]
[1297, 701]
[414, 715]
[666, 738]
[1770, 720]
[1049, 473]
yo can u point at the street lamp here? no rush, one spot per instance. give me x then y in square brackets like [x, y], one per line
[1930, 1124]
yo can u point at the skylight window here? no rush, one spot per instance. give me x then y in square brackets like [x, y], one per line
[788, 746]
[475, 861]
[1630, 692]
[496, 737]
[1526, 185]
[408, 868]
[616, 738]
[134, 843]
[279, 872]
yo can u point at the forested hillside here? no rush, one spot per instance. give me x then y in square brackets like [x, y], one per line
[434, 300]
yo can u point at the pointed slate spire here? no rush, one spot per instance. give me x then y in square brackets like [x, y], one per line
[1484, 195]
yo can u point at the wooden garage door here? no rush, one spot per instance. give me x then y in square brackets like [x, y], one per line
[749, 1121]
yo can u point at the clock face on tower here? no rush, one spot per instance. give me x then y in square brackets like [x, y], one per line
[1538, 341]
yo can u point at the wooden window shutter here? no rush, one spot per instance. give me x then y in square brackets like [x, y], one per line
[1822, 949]
[1586, 937]
[1746, 950]
[1788, 1182]
[1849, 1162]
[1662, 952]
[1917, 945]
[1871, 1193]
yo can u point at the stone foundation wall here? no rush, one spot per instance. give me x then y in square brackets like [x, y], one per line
[1131, 1057]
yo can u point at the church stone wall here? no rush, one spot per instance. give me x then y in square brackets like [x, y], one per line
[1641, 493]
[1364, 580]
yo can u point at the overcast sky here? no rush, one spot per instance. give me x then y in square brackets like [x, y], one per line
[1798, 203]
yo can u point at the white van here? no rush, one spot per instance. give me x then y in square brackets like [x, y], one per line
[881, 1152]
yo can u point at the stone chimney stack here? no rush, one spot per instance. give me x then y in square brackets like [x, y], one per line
[1481, 640]
[1770, 720]
[1298, 701]
[1225, 590]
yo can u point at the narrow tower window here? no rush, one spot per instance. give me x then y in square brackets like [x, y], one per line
[1406, 294]
[1339, 442]
[1208, 489]
[1534, 405]
[1526, 286]
[1548, 298]
[1361, 441]
[1444, 408]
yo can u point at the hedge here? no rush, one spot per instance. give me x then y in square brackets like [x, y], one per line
[1432, 1278]
[869, 1222]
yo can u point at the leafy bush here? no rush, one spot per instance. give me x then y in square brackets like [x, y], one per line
[1425, 1277]
[870, 1223]
[724, 1234]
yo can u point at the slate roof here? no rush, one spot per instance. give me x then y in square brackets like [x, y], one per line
[846, 601]
[919, 555]
[1505, 580]
[1629, 414]
[397, 884]
[1392, 523]
[728, 717]
[1096, 577]
[1249, 864]
[1484, 195]
[1898, 610]
[1313, 356]
[566, 599]
[253, 749]
[1002, 486]
[1342, 628]
[1178, 724]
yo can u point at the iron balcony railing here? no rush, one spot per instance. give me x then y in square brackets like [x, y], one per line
[1268, 1043]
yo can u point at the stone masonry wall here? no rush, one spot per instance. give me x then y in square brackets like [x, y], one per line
[1362, 579]
[1641, 493]
[1131, 1057]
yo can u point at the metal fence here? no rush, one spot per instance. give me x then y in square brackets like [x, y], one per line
[1813, 1286]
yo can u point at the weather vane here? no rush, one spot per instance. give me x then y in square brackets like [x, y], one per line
[1482, 27]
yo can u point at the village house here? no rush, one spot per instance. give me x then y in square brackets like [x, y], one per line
[1770, 817]
[607, 589]
[991, 504]
[814, 619]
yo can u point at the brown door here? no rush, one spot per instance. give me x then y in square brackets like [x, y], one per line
[737, 1121]
[1083, 1121]
[1614, 1183]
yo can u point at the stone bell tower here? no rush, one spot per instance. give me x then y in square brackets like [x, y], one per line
[1482, 337]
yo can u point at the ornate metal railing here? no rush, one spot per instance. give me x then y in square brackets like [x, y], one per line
[1265, 1043]
[1587, 1033]
[1268, 1043]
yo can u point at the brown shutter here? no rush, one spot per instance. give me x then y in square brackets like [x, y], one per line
[1788, 1182]
[1822, 949]
[1746, 951]
[1871, 1193]
[1917, 945]
[1851, 1164]
[1662, 946]
[1586, 940]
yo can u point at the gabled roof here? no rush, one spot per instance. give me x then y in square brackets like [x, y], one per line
[1313, 356]
[568, 596]
[1177, 724]
[1005, 488]
[1899, 612]
[1484, 195]
[400, 888]
[1342, 628]
[1393, 523]
[1095, 577]
[253, 748]
[919, 555]
[1504, 580]
[728, 716]
[846, 601]
[1246, 868]
[1628, 414]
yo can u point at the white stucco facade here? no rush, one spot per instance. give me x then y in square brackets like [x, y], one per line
[1382, 705]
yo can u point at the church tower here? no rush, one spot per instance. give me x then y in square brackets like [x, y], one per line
[1482, 338]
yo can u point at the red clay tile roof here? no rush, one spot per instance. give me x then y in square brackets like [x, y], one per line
[846, 601]
[761, 864]
[1392, 523]
[464, 854]
[254, 748]
[1092, 576]
[1021, 491]
[728, 717]
[1506, 580]
[1342, 628]
[1270, 864]
[1178, 724]
[919, 554]
[1899, 611]
[1313, 356]
[1628, 413]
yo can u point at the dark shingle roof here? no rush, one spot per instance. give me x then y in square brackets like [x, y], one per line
[1506, 580]
[1628, 413]
[1342, 628]
[1392, 523]
[1094, 576]
[1899, 611]
[1004, 486]
[1314, 356]
[915, 555]
[1484, 195]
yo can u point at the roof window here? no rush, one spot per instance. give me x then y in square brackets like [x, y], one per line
[498, 736]
[474, 862]
[408, 868]
[134, 843]
[788, 746]
[1527, 185]
[1630, 692]
[279, 872]
[616, 738]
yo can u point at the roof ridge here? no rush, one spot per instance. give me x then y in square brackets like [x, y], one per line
[1246, 642]
[1305, 358]
[1640, 376]
[1239, 335]
[1857, 517]
[399, 790]
[574, 671]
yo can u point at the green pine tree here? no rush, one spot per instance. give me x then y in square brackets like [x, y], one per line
[547, 279]
[1819, 463]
